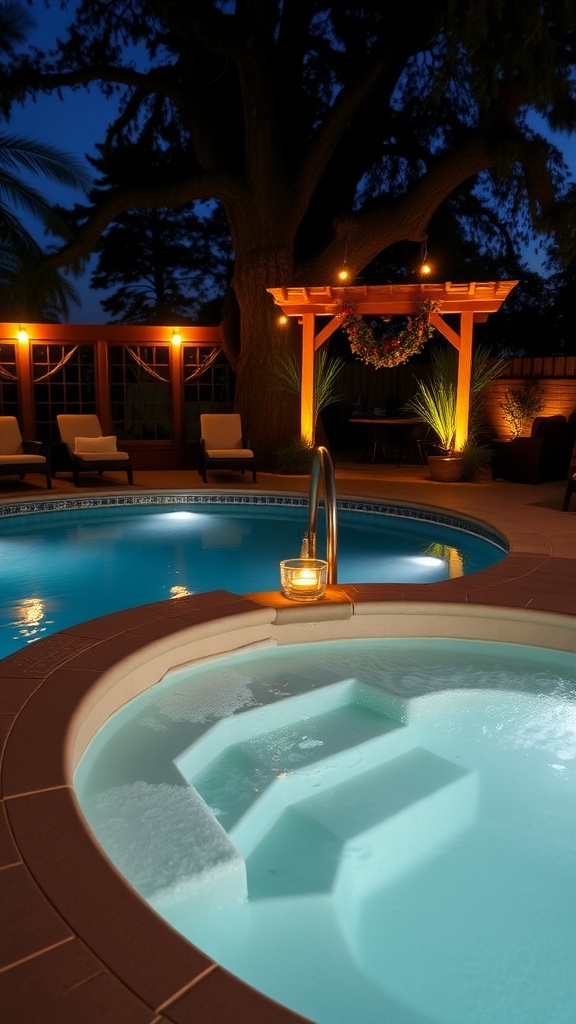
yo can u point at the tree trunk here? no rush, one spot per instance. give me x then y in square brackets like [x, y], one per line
[270, 415]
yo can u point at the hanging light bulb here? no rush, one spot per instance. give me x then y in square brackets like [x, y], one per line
[344, 273]
[425, 266]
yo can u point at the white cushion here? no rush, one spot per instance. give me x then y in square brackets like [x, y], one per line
[94, 444]
[20, 460]
[100, 457]
[230, 453]
[10, 436]
[221, 430]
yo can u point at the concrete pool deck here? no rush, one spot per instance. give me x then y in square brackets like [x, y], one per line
[77, 943]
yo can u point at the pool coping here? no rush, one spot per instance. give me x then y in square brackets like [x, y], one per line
[79, 941]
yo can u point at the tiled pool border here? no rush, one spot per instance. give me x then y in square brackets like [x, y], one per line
[401, 511]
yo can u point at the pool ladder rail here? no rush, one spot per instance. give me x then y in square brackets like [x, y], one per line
[323, 468]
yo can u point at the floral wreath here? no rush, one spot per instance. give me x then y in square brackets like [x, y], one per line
[387, 351]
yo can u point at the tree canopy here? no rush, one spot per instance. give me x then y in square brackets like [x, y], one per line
[324, 132]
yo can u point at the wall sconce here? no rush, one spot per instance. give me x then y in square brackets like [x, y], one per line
[303, 579]
[22, 335]
[176, 337]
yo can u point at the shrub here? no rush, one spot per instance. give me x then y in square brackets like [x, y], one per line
[521, 404]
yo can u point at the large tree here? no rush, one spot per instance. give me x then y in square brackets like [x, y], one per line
[324, 131]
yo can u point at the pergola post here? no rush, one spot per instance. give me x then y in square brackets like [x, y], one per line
[307, 410]
[463, 380]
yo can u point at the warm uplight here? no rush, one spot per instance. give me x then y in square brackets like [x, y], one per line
[303, 579]
[22, 335]
[176, 337]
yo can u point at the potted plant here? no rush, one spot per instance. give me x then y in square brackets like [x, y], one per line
[435, 403]
[521, 404]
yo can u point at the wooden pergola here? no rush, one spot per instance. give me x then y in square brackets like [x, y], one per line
[472, 301]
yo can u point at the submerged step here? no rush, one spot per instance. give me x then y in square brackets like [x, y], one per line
[359, 835]
[295, 787]
[168, 844]
[299, 740]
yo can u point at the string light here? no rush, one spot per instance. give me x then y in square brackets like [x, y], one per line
[343, 273]
[425, 266]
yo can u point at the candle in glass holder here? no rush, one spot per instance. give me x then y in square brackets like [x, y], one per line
[303, 579]
[306, 581]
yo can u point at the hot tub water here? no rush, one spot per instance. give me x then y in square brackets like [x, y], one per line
[363, 830]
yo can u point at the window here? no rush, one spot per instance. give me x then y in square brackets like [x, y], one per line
[208, 386]
[63, 381]
[8, 381]
[140, 392]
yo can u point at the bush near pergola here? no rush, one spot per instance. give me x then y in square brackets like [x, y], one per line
[325, 131]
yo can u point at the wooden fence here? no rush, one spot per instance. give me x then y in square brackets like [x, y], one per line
[390, 389]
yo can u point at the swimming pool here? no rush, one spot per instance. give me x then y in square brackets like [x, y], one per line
[66, 561]
[382, 829]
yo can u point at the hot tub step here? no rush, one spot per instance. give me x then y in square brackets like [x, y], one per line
[361, 834]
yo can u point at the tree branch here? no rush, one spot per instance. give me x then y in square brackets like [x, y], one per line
[117, 201]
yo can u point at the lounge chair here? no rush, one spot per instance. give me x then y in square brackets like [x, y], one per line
[222, 444]
[88, 451]
[19, 457]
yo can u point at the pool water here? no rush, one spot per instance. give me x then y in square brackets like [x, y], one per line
[59, 568]
[368, 830]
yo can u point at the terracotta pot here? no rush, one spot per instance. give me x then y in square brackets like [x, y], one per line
[447, 468]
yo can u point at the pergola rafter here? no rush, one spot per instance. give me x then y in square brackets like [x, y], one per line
[473, 301]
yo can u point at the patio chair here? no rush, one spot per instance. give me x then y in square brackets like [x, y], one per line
[19, 457]
[571, 482]
[87, 450]
[222, 444]
[542, 457]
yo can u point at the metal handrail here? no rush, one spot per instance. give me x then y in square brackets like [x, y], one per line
[322, 466]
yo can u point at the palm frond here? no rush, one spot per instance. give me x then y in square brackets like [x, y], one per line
[20, 153]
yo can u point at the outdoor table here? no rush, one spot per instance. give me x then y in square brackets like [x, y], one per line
[386, 431]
